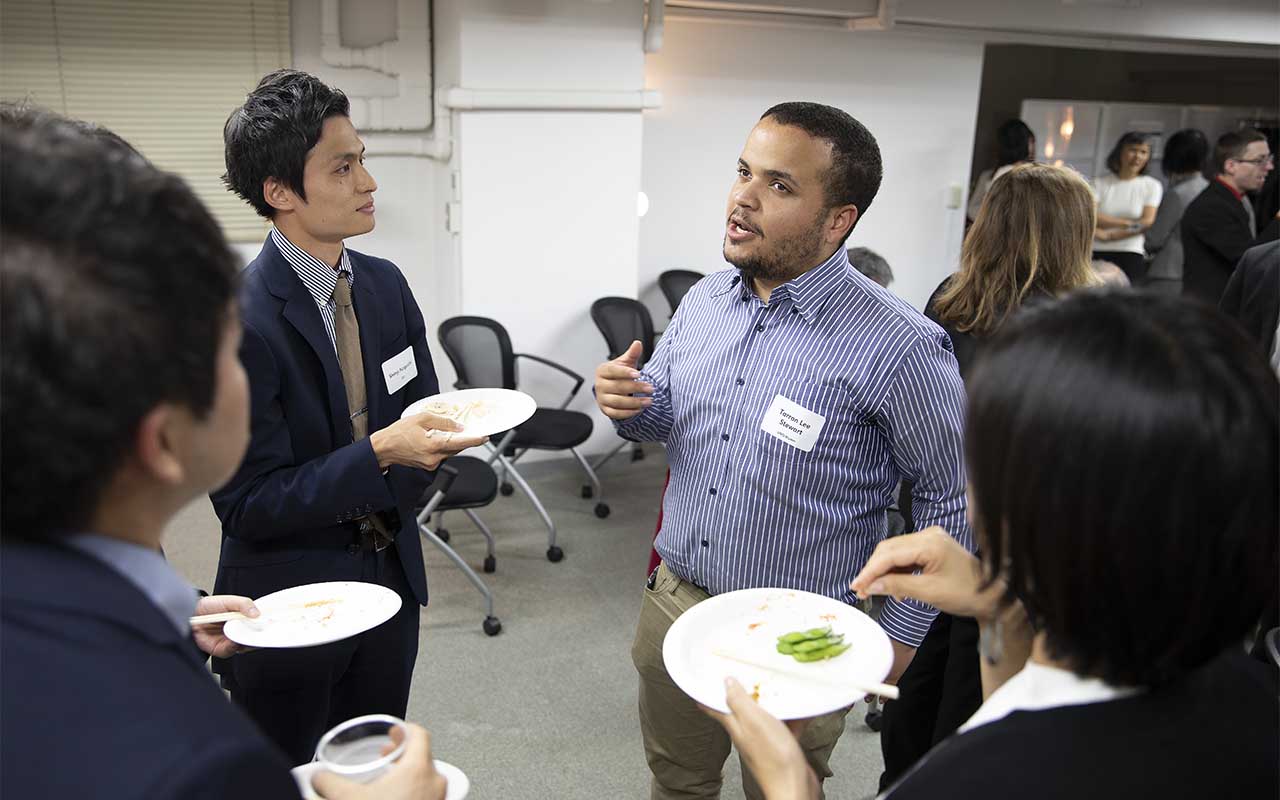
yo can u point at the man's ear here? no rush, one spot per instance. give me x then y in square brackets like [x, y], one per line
[156, 444]
[842, 221]
[278, 195]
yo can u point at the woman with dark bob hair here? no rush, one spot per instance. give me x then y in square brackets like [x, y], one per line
[1127, 202]
[1123, 458]
[1185, 155]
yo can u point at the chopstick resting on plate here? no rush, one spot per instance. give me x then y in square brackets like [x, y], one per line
[885, 690]
[213, 619]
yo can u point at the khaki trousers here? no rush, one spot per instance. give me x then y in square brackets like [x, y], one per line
[685, 748]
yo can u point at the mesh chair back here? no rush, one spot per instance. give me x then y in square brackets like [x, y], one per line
[622, 321]
[675, 283]
[480, 351]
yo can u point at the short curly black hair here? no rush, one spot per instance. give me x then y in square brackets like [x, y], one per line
[270, 135]
[117, 289]
[856, 168]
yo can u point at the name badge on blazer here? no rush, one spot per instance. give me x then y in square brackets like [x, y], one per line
[399, 370]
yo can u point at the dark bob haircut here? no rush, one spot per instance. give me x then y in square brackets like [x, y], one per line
[1186, 151]
[117, 289]
[1013, 143]
[1232, 145]
[856, 169]
[1123, 466]
[1126, 140]
[270, 135]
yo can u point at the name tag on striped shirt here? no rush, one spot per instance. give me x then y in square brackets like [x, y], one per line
[792, 423]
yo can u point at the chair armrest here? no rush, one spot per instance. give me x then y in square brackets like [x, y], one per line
[435, 493]
[577, 379]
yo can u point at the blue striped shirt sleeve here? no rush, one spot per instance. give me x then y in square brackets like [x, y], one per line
[654, 423]
[925, 412]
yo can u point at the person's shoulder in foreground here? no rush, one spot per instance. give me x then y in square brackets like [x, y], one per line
[104, 698]
[1107, 750]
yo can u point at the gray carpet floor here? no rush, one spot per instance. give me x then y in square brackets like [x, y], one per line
[546, 709]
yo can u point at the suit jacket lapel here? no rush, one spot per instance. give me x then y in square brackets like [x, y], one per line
[366, 305]
[300, 311]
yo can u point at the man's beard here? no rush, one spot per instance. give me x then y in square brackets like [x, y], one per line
[787, 259]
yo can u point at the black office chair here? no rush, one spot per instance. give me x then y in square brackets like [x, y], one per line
[462, 483]
[675, 283]
[622, 321]
[481, 352]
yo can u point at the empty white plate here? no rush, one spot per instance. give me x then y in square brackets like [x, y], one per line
[317, 613]
[459, 784]
[482, 412]
[710, 642]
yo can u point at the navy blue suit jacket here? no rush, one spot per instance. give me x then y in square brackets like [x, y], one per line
[104, 698]
[287, 515]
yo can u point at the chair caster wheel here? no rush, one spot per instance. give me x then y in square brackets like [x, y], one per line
[492, 627]
[602, 510]
[506, 489]
[443, 534]
[490, 564]
[587, 493]
[554, 554]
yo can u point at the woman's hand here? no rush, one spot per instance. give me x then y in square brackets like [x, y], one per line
[932, 567]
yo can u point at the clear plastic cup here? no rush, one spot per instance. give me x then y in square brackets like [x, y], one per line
[361, 749]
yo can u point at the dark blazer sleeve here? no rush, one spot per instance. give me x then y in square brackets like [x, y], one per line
[1218, 229]
[238, 769]
[409, 483]
[272, 495]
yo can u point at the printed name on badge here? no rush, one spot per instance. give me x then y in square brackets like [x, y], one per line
[792, 423]
[399, 370]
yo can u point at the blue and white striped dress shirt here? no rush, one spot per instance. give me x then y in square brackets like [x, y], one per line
[318, 277]
[745, 509]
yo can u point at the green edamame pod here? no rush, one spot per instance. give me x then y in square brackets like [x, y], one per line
[786, 649]
[812, 645]
[817, 633]
[792, 638]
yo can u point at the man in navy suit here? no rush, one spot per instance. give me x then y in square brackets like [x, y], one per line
[122, 400]
[335, 349]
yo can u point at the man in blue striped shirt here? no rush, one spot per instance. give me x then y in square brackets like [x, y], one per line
[793, 394]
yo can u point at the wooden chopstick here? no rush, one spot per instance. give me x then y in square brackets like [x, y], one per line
[222, 616]
[885, 690]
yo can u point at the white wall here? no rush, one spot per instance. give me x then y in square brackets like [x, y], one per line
[918, 96]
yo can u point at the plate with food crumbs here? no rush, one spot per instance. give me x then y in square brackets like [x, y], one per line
[800, 654]
[317, 613]
[481, 412]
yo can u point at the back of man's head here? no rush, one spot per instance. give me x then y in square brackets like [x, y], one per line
[856, 168]
[270, 135]
[1232, 145]
[118, 286]
[871, 264]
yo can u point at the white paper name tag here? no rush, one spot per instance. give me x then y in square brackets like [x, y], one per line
[792, 423]
[400, 369]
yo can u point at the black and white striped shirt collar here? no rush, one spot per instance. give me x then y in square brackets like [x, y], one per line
[317, 276]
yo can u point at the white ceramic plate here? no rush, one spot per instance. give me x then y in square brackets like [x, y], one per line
[701, 647]
[317, 613]
[459, 784]
[482, 412]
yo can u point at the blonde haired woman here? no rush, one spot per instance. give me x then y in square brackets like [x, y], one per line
[1031, 241]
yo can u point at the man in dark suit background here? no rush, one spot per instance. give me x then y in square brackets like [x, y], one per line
[335, 348]
[121, 400]
[1219, 224]
[1252, 297]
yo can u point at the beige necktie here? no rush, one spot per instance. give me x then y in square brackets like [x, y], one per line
[347, 332]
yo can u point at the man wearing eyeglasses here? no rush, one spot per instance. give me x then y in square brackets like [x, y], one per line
[1219, 224]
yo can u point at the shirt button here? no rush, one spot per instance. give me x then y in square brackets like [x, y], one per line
[760, 328]
[705, 543]
[739, 381]
[712, 490]
[795, 311]
[724, 436]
